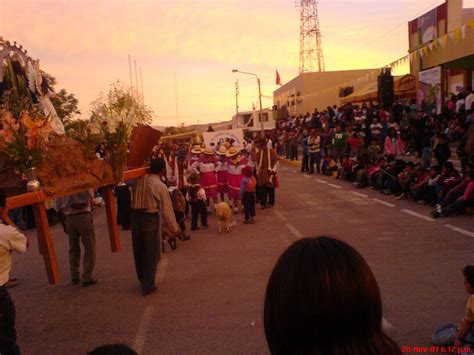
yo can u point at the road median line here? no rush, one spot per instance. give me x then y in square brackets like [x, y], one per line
[388, 204]
[295, 231]
[416, 214]
[459, 230]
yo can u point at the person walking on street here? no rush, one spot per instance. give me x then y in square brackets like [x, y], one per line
[79, 227]
[10, 240]
[266, 161]
[151, 202]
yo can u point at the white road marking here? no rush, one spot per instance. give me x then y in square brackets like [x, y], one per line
[295, 231]
[460, 230]
[386, 324]
[336, 186]
[321, 181]
[307, 176]
[280, 215]
[416, 214]
[162, 267]
[383, 202]
[359, 194]
[145, 321]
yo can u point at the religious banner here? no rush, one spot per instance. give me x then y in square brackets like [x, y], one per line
[428, 27]
[234, 137]
[429, 91]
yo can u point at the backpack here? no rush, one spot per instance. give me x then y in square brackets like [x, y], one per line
[251, 184]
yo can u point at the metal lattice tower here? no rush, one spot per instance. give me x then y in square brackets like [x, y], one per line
[311, 50]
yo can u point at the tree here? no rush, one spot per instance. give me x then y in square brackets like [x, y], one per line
[66, 106]
[120, 99]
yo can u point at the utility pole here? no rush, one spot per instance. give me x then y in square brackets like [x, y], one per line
[237, 101]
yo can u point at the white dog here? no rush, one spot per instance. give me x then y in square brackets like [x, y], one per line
[224, 214]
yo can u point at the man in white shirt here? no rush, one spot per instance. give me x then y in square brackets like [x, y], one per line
[10, 240]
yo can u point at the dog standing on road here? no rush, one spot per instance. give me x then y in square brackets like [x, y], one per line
[224, 215]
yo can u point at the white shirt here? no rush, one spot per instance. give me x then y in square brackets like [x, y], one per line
[10, 240]
[468, 101]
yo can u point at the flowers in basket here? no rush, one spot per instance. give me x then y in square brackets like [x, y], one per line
[24, 139]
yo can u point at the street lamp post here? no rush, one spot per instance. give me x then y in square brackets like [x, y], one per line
[237, 102]
[259, 97]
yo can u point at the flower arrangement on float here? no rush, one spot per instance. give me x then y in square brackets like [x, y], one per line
[24, 139]
[116, 125]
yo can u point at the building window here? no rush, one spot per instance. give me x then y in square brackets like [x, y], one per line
[265, 117]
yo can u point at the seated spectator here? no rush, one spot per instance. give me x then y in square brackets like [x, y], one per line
[322, 298]
[329, 166]
[374, 152]
[442, 152]
[458, 206]
[417, 186]
[405, 179]
[345, 172]
[460, 335]
[428, 194]
[448, 179]
[360, 172]
[374, 173]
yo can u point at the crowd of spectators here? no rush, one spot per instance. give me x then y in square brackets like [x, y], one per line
[404, 151]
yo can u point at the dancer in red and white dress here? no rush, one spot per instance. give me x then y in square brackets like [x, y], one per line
[206, 167]
[195, 154]
[222, 172]
[235, 164]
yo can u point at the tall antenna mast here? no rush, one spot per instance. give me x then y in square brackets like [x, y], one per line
[311, 49]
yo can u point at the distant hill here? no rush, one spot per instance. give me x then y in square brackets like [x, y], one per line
[218, 126]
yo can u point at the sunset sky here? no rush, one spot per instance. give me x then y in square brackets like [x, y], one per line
[85, 45]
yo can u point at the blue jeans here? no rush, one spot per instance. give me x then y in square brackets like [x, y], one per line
[315, 158]
[426, 157]
[446, 334]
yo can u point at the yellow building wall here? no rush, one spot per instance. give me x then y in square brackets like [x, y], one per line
[317, 90]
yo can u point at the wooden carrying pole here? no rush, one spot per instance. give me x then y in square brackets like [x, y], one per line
[45, 240]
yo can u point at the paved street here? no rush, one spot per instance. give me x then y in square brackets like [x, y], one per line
[211, 292]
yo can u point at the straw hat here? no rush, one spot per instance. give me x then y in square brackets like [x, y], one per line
[208, 151]
[196, 149]
[222, 150]
[232, 151]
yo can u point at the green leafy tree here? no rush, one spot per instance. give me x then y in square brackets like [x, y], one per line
[66, 106]
[119, 99]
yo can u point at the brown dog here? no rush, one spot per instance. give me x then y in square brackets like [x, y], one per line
[224, 214]
[167, 236]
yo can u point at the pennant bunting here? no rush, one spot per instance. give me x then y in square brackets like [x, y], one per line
[457, 34]
[463, 31]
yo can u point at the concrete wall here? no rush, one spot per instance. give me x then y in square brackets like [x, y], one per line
[312, 89]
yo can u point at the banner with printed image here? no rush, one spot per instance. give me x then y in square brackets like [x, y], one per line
[428, 27]
[429, 91]
[234, 138]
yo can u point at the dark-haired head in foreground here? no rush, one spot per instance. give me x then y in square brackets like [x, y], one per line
[322, 298]
[113, 349]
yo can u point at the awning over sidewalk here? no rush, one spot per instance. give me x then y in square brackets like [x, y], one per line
[404, 86]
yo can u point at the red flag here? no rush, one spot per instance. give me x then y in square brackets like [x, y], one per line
[278, 79]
